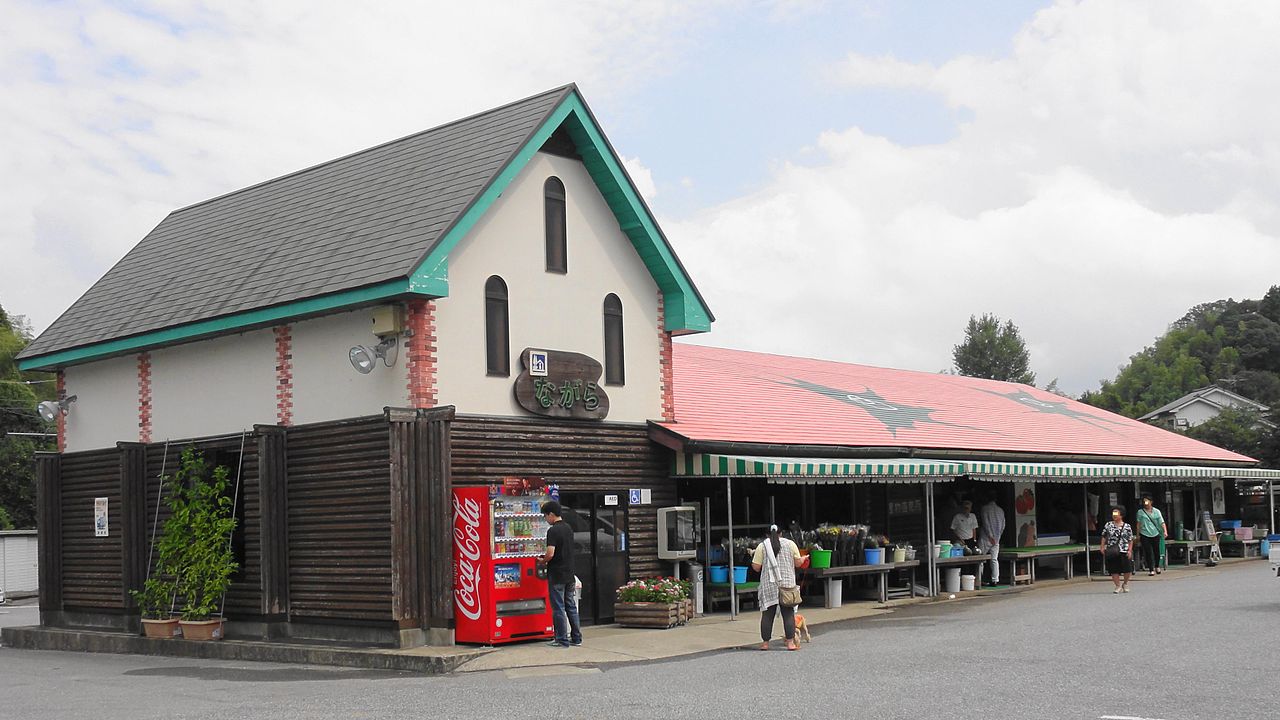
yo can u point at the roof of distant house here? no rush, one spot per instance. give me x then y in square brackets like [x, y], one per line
[755, 402]
[1205, 395]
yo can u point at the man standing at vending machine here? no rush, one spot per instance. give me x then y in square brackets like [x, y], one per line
[560, 578]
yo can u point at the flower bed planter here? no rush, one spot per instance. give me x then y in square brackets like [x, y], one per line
[648, 614]
[202, 629]
[163, 629]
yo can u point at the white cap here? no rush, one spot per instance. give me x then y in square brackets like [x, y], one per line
[773, 528]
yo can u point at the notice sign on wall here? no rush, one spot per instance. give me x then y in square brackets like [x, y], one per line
[99, 517]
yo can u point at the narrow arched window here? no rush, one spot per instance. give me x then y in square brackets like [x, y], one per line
[497, 333]
[557, 250]
[614, 368]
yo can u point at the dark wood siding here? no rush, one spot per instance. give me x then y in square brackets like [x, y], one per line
[577, 457]
[339, 508]
[91, 566]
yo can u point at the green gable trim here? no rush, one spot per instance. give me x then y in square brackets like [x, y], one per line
[685, 312]
[222, 325]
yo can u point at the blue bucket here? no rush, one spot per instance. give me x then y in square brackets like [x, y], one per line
[1264, 549]
[872, 556]
[719, 573]
[739, 574]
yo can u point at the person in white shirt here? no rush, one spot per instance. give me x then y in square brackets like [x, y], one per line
[964, 526]
[993, 521]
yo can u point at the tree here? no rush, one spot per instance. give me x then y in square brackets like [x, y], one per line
[994, 351]
[1238, 429]
[18, 414]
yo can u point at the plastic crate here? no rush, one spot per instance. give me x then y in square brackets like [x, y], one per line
[1229, 524]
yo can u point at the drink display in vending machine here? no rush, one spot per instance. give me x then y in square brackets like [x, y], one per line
[498, 536]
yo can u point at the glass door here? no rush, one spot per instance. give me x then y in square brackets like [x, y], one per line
[599, 522]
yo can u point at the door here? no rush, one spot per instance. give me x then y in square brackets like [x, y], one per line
[599, 522]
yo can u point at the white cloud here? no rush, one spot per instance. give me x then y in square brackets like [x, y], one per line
[642, 177]
[1120, 166]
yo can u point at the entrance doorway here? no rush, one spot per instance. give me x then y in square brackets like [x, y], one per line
[599, 522]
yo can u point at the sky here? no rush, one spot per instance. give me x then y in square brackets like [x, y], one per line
[844, 180]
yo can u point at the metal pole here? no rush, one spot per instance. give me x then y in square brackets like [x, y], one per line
[1088, 544]
[1271, 496]
[929, 536]
[706, 531]
[733, 586]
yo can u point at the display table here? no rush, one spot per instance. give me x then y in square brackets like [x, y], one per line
[1188, 549]
[1241, 548]
[835, 576]
[961, 562]
[1032, 555]
[719, 592]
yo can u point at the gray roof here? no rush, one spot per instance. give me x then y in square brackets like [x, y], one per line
[352, 222]
[1201, 394]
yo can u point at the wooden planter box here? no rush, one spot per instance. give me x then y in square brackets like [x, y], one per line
[647, 614]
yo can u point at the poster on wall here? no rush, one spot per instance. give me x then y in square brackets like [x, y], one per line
[1219, 500]
[99, 517]
[1024, 514]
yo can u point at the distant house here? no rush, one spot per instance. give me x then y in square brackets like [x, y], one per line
[1198, 407]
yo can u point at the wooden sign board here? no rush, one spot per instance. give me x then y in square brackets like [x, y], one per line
[561, 384]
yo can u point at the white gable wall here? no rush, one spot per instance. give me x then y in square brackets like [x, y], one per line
[106, 408]
[212, 387]
[551, 311]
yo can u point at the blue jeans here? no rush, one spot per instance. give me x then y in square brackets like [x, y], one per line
[564, 613]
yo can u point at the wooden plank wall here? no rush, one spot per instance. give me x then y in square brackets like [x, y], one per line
[91, 566]
[49, 546]
[578, 456]
[339, 509]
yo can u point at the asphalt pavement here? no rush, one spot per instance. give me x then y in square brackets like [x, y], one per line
[1181, 646]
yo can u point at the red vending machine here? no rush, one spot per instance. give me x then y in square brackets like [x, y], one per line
[498, 535]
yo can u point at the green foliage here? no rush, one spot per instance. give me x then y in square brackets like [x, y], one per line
[994, 351]
[156, 597]
[18, 414]
[1237, 429]
[6, 522]
[194, 549]
[1235, 345]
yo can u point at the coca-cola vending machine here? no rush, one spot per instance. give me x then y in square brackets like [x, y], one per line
[498, 535]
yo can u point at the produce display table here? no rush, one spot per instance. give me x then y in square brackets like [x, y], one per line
[835, 578]
[1241, 548]
[961, 562]
[1189, 549]
[1032, 555]
[719, 592]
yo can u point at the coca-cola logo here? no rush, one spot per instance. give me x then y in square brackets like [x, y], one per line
[466, 543]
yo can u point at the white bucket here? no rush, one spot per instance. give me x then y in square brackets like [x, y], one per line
[953, 580]
[966, 582]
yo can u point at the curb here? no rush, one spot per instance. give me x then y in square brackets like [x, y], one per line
[36, 638]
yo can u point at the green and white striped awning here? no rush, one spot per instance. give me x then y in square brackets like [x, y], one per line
[834, 470]
[813, 470]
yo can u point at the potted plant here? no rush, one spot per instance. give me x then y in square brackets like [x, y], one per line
[202, 515]
[650, 602]
[155, 599]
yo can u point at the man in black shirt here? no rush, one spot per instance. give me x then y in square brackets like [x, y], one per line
[560, 578]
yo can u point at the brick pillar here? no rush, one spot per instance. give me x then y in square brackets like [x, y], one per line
[144, 397]
[284, 374]
[664, 364]
[420, 352]
[62, 421]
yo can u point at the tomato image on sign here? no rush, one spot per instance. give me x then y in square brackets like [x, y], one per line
[561, 384]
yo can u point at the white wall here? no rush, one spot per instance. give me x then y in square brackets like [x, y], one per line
[548, 310]
[1198, 412]
[212, 387]
[326, 387]
[106, 408]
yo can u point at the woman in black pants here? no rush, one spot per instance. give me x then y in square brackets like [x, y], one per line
[1151, 530]
[776, 559]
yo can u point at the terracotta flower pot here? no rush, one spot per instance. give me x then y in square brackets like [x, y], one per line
[163, 629]
[202, 629]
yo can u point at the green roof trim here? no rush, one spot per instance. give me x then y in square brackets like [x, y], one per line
[684, 309]
[240, 321]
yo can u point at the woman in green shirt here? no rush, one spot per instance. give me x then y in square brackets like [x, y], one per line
[1153, 530]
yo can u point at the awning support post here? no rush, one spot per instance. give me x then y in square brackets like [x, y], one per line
[929, 538]
[733, 586]
[1271, 498]
[1088, 549]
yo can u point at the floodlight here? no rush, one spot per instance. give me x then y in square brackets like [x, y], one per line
[51, 409]
[364, 358]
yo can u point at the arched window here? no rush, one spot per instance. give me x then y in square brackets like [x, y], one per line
[614, 368]
[497, 335]
[557, 250]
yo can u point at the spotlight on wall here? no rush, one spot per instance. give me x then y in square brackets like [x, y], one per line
[51, 409]
[364, 358]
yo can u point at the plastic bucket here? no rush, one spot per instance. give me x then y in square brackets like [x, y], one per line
[952, 580]
[944, 549]
[1264, 548]
[739, 574]
[719, 573]
[820, 558]
[900, 555]
[873, 556]
[966, 582]
[957, 551]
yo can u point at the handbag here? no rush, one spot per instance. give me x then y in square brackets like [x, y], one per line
[788, 596]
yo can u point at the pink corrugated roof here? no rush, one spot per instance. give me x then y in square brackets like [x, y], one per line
[737, 396]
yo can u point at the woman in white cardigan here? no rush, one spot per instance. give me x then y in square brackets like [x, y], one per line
[776, 559]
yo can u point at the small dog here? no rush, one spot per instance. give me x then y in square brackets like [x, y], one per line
[802, 629]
